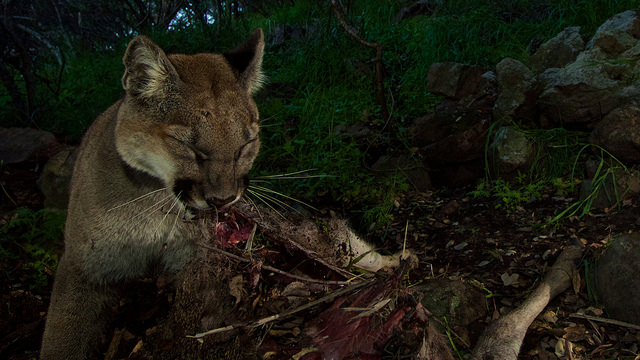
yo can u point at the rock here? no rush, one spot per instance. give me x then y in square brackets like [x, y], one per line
[459, 147]
[18, 144]
[558, 51]
[461, 303]
[517, 96]
[601, 78]
[56, 177]
[617, 284]
[455, 80]
[628, 22]
[511, 150]
[619, 133]
[581, 93]
[451, 140]
[613, 42]
[419, 177]
[428, 129]
[414, 170]
[453, 176]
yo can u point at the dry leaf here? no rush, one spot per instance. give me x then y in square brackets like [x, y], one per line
[575, 333]
[549, 317]
[236, 288]
[510, 280]
[576, 281]
[559, 348]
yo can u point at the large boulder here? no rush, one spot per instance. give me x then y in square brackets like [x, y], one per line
[581, 93]
[613, 42]
[19, 144]
[510, 151]
[617, 284]
[461, 303]
[628, 22]
[455, 80]
[558, 51]
[450, 141]
[619, 133]
[517, 96]
[457, 159]
[55, 179]
[458, 147]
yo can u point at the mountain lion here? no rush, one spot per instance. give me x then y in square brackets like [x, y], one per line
[182, 139]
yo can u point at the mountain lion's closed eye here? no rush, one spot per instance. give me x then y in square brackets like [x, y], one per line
[182, 139]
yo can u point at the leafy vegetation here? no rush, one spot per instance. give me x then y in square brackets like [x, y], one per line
[32, 240]
[320, 79]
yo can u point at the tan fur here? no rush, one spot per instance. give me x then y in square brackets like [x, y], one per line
[183, 138]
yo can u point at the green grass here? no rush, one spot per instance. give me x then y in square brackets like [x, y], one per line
[32, 239]
[326, 79]
[604, 182]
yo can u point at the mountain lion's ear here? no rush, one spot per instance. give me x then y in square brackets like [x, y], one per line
[148, 71]
[246, 59]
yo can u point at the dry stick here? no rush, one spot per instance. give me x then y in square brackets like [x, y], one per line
[606, 321]
[276, 270]
[351, 31]
[285, 314]
[502, 339]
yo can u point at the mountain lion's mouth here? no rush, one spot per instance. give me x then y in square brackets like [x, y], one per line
[183, 189]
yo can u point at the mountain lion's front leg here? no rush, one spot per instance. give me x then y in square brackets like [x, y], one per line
[76, 315]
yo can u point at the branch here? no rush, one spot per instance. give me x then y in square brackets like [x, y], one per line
[502, 339]
[284, 314]
[353, 33]
[606, 321]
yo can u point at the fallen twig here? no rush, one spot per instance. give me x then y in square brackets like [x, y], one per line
[285, 314]
[606, 321]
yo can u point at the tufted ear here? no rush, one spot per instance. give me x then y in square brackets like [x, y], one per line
[148, 72]
[246, 59]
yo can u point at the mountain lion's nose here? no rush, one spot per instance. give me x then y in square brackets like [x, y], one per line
[219, 203]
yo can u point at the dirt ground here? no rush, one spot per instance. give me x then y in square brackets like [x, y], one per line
[455, 236]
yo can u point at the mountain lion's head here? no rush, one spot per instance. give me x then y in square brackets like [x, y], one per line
[190, 120]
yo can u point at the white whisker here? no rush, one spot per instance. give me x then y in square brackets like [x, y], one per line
[277, 201]
[284, 175]
[175, 221]
[264, 189]
[252, 203]
[155, 207]
[138, 198]
[175, 201]
[260, 197]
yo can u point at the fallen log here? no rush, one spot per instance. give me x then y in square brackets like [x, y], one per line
[502, 339]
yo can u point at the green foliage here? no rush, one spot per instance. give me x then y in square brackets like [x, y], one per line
[90, 84]
[33, 239]
[510, 195]
[324, 79]
[556, 151]
[380, 214]
[604, 182]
